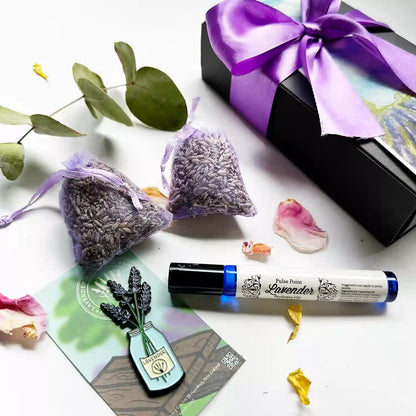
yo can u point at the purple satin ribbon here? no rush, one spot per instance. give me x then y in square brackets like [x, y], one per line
[261, 47]
[76, 168]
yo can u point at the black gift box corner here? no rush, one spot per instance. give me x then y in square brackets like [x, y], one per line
[361, 176]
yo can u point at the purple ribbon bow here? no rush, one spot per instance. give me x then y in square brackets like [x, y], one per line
[254, 40]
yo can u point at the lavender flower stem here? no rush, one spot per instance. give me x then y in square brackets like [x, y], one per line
[136, 317]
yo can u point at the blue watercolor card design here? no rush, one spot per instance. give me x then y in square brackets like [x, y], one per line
[394, 109]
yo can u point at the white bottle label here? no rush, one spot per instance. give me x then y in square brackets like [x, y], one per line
[336, 285]
[158, 364]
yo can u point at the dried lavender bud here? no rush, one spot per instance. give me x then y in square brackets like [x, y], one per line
[107, 309]
[145, 298]
[125, 302]
[125, 316]
[117, 290]
[102, 220]
[135, 280]
[147, 310]
[206, 178]
[118, 315]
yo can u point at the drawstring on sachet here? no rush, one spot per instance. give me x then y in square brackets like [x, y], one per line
[74, 171]
[186, 132]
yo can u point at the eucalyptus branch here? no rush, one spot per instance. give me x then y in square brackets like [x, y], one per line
[151, 96]
[68, 105]
[29, 131]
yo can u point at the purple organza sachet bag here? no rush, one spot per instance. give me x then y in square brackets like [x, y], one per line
[205, 175]
[105, 213]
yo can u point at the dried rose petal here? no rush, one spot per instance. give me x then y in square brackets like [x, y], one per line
[38, 71]
[23, 313]
[301, 385]
[296, 225]
[295, 313]
[249, 248]
[260, 248]
[156, 196]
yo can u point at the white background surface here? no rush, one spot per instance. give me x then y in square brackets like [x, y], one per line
[360, 358]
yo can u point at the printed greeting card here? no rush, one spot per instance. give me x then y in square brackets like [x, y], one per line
[99, 349]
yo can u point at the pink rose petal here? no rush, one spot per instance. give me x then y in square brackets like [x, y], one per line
[23, 313]
[296, 225]
[249, 248]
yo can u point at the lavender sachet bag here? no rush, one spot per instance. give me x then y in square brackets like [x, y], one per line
[205, 175]
[105, 213]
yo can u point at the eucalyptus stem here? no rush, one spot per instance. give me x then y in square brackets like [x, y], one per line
[117, 86]
[21, 139]
[68, 105]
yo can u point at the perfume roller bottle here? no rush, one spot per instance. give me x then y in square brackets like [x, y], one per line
[359, 286]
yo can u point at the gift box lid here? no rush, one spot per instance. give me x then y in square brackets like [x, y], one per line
[368, 181]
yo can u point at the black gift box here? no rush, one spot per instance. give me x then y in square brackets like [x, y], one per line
[362, 176]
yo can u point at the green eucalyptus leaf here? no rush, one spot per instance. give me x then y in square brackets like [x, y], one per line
[80, 71]
[94, 112]
[103, 103]
[8, 116]
[47, 125]
[126, 56]
[11, 160]
[156, 101]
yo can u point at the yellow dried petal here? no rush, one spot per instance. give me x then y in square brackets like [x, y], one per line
[156, 196]
[301, 384]
[261, 248]
[295, 313]
[250, 249]
[29, 331]
[38, 70]
[294, 333]
[154, 191]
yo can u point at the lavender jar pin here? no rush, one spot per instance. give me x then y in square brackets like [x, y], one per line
[157, 364]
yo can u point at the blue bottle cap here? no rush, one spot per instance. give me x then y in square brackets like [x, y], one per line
[393, 286]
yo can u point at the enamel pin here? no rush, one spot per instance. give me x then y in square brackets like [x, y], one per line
[151, 352]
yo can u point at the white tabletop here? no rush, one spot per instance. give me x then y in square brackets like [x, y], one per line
[359, 358]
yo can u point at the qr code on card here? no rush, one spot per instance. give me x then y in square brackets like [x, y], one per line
[230, 360]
